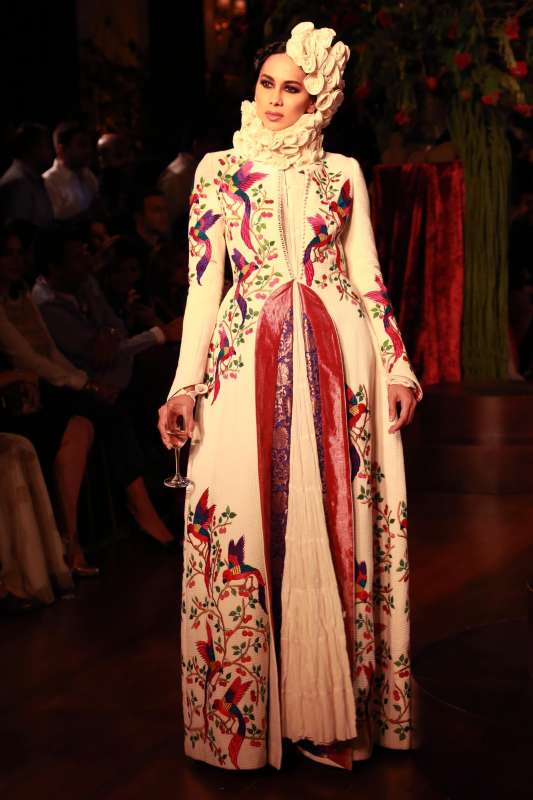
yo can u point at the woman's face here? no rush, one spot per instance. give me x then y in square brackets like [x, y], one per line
[280, 95]
[12, 261]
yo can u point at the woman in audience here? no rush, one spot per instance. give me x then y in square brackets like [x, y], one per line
[32, 557]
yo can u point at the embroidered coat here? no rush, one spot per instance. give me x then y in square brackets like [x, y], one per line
[294, 617]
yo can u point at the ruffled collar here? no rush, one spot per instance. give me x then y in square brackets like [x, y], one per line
[298, 145]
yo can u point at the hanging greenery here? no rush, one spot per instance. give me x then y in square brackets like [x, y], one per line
[475, 56]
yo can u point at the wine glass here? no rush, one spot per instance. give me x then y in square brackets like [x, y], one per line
[177, 481]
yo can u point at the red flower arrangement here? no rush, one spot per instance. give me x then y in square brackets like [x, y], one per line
[462, 60]
[402, 118]
[524, 109]
[490, 99]
[512, 29]
[519, 69]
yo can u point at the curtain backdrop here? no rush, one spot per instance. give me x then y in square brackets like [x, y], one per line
[418, 221]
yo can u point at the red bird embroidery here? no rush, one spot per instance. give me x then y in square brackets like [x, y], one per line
[319, 242]
[228, 708]
[207, 652]
[239, 184]
[239, 571]
[225, 352]
[389, 324]
[200, 529]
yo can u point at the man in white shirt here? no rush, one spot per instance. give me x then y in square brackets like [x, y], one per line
[71, 185]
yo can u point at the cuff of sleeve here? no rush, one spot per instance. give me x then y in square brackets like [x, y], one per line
[198, 388]
[409, 383]
[158, 334]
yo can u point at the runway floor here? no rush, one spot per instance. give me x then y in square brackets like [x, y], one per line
[89, 697]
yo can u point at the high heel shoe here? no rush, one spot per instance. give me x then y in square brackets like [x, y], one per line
[78, 570]
[86, 572]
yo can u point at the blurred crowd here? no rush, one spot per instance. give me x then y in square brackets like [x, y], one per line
[93, 284]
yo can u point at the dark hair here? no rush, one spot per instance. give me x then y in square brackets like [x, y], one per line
[65, 132]
[265, 52]
[51, 246]
[27, 137]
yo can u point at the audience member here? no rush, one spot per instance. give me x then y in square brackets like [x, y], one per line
[32, 554]
[167, 280]
[70, 183]
[63, 438]
[22, 191]
[68, 396]
[177, 179]
[116, 179]
[122, 280]
[152, 223]
[81, 321]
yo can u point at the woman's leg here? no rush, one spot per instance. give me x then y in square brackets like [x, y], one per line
[69, 468]
[142, 509]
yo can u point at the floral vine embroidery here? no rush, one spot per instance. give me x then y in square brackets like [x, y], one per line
[231, 616]
[254, 278]
[392, 348]
[336, 206]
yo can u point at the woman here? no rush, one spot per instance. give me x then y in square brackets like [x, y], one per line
[295, 605]
[32, 564]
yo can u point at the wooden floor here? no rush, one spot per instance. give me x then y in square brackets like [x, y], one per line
[89, 690]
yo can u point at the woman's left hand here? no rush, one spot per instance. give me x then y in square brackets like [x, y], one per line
[403, 396]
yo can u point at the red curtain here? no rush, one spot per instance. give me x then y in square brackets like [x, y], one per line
[417, 212]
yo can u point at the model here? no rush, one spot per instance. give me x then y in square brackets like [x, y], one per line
[295, 587]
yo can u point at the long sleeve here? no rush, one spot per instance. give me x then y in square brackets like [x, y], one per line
[57, 370]
[206, 276]
[365, 275]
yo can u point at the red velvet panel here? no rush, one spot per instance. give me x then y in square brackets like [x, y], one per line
[417, 212]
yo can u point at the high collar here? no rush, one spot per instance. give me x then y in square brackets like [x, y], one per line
[299, 145]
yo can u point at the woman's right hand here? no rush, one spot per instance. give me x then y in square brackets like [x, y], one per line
[169, 419]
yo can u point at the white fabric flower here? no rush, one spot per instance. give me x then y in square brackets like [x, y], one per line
[314, 83]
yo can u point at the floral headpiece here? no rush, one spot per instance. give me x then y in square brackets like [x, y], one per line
[311, 50]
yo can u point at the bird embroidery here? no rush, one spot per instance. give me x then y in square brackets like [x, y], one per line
[225, 351]
[238, 186]
[343, 205]
[207, 652]
[389, 323]
[342, 209]
[360, 582]
[228, 708]
[199, 235]
[200, 528]
[319, 242]
[355, 412]
[239, 571]
[244, 270]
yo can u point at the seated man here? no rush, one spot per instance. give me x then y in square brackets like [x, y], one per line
[80, 319]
